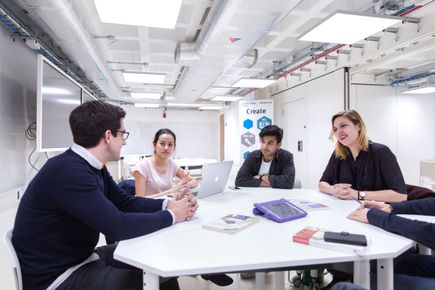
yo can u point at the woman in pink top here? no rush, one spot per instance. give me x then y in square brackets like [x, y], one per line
[154, 177]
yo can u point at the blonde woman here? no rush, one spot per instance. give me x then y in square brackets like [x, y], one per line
[360, 168]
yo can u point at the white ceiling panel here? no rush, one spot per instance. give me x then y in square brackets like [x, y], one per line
[270, 26]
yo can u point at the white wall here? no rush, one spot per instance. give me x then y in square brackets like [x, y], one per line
[17, 109]
[322, 97]
[403, 122]
[197, 132]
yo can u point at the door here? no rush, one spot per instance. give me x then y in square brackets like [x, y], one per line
[294, 116]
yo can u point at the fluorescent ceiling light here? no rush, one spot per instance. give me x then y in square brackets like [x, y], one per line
[144, 78]
[348, 28]
[69, 101]
[144, 105]
[55, 91]
[210, 107]
[253, 83]
[169, 98]
[153, 96]
[184, 105]
[161, 13]
[226, 98]
[421, 90]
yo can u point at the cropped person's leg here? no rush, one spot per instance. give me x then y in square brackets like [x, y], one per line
[416, 265]
[405, 282]
[346, 286]
[108, 273]
[106, 255]
[97, 275]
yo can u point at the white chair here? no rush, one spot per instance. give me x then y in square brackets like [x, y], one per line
[298, 183]
[427, 173]
[16, 264]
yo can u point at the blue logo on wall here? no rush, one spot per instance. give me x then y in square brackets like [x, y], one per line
[248, 123]
[263, 122]
[246, 154]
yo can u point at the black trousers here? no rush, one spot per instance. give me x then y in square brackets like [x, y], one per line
[110, 274]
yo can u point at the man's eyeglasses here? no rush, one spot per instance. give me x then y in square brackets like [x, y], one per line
[124, 134]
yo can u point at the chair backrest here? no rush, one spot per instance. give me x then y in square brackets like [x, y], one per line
[298, 183]
[128, 185]
[16, 264]
[427, 172]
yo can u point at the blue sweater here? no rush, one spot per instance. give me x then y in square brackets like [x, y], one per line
[63, 211]
[418, 231]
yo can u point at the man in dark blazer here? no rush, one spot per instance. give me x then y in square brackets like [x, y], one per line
[270, 166]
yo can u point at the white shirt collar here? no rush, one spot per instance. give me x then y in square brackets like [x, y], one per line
[85, 154]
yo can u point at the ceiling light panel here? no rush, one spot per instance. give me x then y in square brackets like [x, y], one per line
[423, 90]
[226, 98]
[160, 14]
[144, 78]
[184, 105]
[253, 83]
[152, 96]
[144, 105]
[210, 108]
[348, 28]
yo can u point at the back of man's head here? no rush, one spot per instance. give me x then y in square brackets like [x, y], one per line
[272, 130]
[91, 120]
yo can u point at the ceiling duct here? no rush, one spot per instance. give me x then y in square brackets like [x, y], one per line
[231, 30]
[249, 59]
[185, 54]
[58, 18]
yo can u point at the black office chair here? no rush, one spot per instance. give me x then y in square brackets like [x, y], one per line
[128, 186]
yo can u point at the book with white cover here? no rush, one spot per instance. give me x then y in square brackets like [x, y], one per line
[231, 223]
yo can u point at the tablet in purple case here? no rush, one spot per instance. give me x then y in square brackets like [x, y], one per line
[280, 210]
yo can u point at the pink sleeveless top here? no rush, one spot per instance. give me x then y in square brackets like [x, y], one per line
[156, 182]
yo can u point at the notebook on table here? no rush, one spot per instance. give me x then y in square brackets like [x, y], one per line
[214, 179]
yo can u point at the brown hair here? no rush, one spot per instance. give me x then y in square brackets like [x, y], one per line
[342, 151]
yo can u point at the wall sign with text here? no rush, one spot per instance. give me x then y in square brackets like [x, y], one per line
[253, 116]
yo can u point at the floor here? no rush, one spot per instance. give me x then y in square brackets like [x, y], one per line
[7, 216]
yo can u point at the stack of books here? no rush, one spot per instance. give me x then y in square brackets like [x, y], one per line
[344, 242]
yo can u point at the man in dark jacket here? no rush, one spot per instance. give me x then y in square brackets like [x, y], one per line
[270, 166]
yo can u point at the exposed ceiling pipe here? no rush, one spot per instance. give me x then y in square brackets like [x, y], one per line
[21, 25]
[411, 80]
[405, 11]
[97, 72]
[220, 46]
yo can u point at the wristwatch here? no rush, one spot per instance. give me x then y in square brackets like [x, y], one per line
[361, 195]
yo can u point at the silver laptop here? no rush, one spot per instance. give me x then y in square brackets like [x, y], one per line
[214, 178]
